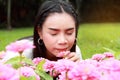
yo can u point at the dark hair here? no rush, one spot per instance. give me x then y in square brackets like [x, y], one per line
[47, 8]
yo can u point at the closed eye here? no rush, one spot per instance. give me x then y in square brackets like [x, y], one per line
[54, 34]
[53, 31]
[69, 33]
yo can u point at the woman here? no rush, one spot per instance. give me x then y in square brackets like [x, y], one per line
[55, 31]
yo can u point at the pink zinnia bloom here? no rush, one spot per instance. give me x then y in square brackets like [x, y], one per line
[115, 75]
[27, 72]
[64, 65]
[49, 65]
[110, 65]
[8, 73]
[110, 76]
[20, 46]
[37, 60]
[63, 76]
[98, 57]
[108, 55]
[59, 67]
[106, 77]
[89, 61]
[84, 72]
[63, 53]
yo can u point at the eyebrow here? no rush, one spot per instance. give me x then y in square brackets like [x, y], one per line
[70, 29]
[54, 29]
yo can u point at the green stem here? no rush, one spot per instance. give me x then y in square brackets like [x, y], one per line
[20, 63]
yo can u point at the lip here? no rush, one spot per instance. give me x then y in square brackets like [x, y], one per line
[62, 50]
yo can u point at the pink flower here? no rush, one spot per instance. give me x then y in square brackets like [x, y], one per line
[37, 60]
[84, 72]
[90, 61]
[64, 65]
[110, 65]
[98, 57]
[63, 76]
[62, 54]
[49, 65]
[108, 55]
[20, 46]
[59, 67]
[109, 69]
[110, 76]
[8, 73]
[27, 72]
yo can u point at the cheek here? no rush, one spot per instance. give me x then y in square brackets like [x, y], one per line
[72, 38]
[71, 41]
[48, 41]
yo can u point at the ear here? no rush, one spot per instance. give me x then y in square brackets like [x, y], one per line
[39, 33]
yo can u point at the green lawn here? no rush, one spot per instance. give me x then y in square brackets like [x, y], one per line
[9, 36]
[92, 38]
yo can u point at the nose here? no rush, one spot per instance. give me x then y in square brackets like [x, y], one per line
[62, 40]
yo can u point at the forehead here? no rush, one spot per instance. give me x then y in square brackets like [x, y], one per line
[58, 20]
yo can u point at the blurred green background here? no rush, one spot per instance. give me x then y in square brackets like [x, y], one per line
[93, 38]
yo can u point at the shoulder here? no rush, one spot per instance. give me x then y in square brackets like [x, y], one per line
[78, 51]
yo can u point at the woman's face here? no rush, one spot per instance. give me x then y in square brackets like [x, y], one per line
[58, 33]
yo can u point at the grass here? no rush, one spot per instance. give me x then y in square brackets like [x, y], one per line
[92, 38]
[9, 36]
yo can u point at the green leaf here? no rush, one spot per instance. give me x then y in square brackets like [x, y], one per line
[27, 78]
[117, 55]
[27, 61]
[15, 61]
[110, 50]
[40, 71]
[40, 65]
[43, 75]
